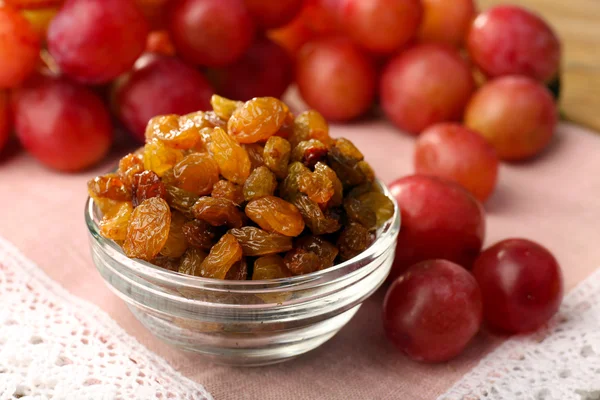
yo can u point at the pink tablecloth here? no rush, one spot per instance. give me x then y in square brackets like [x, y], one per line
[553, 199]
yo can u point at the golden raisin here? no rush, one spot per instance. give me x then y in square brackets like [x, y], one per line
[232, 158]
[199, 234]
[311, 125]
[338, 190]
[255, 152]
[228, 190]
[218, 212]
[114, 224]
[353, 240]
[270, 267]
[258, 119]
[277, 154]
[326, 251]
[130, 165]
[261, 182]
[316, 220]
[221, 258]
[309, 152]
[176, 132]
[275, 215]
[196, 173]
[318, 187]
[224, 107]
[180, 199]
[145, 185]
[191, 261]
[347, 162]
[176, 244]
[301, 261]
[257, 242]
[238, 271]
[289, 187]
[160, 158]
[170, 263]
[205, 119]
[148, 229]
[108, 186]
[370, 209]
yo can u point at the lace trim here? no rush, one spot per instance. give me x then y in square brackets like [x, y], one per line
[558, 362]
[54, 345]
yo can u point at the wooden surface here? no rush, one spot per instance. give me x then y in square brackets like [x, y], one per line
[577, 22]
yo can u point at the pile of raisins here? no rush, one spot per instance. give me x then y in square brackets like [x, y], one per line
[246, 191]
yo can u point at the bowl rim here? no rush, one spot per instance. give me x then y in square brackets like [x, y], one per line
[386, 236]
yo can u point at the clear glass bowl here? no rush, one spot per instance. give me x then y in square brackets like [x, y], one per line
[245, 323]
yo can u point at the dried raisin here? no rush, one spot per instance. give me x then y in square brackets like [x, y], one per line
[258, 119]
[191, 261]
[146, 185]
[196, 173]
[224, 107]
[218, 212]
[173, 131]
[353, 240]
[318, 187]
[222, 258]
[232, 158]
[109, 186]
[228, 190]
[130, 165]
[148, 229]
[238, 271]
[338, 190]
[160, 158]
[257, 242]
[114, 223]
[275, 215]
[261, 182]
[277, 154]
[309, 152]
[310, 125]
[199, 234]
[255, 152]
[270, 267]
[180, 199]
[176, 244]
[316, 220]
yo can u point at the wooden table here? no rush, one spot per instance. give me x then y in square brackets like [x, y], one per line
[577, 22]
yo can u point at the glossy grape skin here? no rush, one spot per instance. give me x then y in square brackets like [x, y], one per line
[456, 153]
[94, 41]
[515, 114]
[433, 311]
[336, 78]
[272, 14]
[165, 85]
[265, 70]
[211, 32]
[424, 85]
[62, 124]
[5, 119]
[155, 12]
[446, 21]
[509, 40]
[380, 26]
[19, 48]
[521, 283]
[439, 220]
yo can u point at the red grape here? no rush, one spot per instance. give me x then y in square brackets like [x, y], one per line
[451, 151]
[5, 125]
[165, 85]
[335, 78]
[516, 114]
[62, 124]
[433, 311]
[439, 220]
[424, 85]
[211, 32]
[31, 4]
[19, 48]
[381, 26]
[94, 41]
[509, 40]
[264, 70]
[272, 14]
[446, 21]
[155, 12]
[521, 283]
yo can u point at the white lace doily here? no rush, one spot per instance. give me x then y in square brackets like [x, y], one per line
[559, 362]
[56, 346]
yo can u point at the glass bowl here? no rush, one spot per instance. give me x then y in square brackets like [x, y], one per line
[244, 323]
